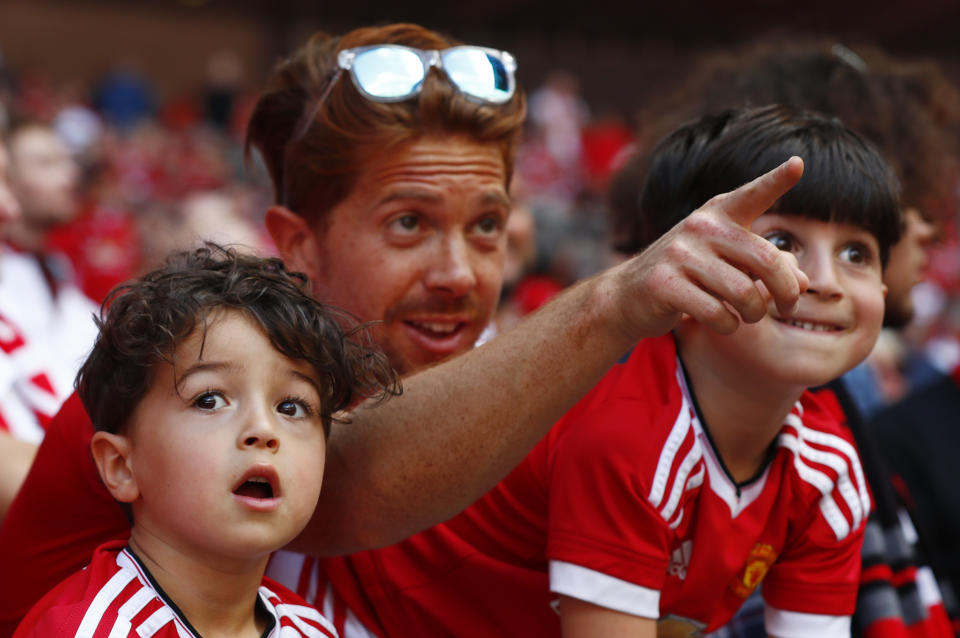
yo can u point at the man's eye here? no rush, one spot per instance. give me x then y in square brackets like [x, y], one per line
[406, 223]
[781, 240]
[294, 408]
[209, 401]
[488, 226]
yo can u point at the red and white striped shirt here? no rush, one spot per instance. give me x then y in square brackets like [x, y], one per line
[626, 504]
[115, 597]
[45, 334]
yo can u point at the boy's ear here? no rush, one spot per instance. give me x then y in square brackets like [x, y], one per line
[111, 453]
[297, 242]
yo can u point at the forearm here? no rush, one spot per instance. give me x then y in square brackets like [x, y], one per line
[15, 459]
[460, 426]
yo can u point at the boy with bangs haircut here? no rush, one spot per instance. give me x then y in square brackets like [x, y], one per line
[700, 465]
[212, 386]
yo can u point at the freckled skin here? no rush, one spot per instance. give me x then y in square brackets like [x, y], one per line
[420, 244]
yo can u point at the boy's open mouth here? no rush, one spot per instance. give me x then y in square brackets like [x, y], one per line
[256, 487]
[260, 482]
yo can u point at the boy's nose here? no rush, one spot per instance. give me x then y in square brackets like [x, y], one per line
[822, 273]
[258, 432]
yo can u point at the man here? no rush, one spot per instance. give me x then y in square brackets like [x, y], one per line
[45, 320]
[15, 455]
[392, 199]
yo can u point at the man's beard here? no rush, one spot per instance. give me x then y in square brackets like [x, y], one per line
[896, 316]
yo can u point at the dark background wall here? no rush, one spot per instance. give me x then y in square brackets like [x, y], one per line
[624, 52]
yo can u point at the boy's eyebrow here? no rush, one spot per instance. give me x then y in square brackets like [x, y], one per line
[203, 366]
[308, 379]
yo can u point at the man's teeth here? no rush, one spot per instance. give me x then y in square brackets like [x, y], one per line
[258, 479]
[434, 326]
[806, 325]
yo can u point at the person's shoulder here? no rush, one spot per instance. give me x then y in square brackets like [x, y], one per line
[645, 380]
[638, 428]
[824, 465]
[290, 610]
[62, 610]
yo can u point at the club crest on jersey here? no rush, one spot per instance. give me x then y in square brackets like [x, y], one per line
[680, 560]
[758, 562]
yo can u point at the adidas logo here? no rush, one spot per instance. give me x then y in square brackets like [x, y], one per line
[680, 560]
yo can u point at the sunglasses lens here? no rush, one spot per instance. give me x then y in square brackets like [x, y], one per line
[388, 72]
[479, 74]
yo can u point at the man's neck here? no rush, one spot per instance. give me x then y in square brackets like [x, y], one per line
[217, 598]
[25, 237]
[743, 412]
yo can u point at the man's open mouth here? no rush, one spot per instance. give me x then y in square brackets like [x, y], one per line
[437, 328]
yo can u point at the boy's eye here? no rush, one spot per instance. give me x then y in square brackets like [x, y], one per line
[856, 253]
[294, 408]
[209, 401]
[783, 241]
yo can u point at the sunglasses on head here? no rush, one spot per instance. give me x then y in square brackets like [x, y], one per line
[393, 73]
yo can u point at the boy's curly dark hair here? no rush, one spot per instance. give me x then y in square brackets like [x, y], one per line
[149, 317]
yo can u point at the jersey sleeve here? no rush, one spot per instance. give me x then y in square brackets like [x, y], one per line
[608, 541]
[61, 514]
[819, 571]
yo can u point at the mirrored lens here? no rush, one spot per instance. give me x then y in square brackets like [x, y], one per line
[388, 72]
[478, 73]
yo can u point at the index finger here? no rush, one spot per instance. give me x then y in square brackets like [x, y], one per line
[751, 200]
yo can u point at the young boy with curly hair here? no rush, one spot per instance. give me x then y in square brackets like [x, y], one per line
[212, 386]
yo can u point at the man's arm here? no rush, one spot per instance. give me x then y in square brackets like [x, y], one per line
[460, 426]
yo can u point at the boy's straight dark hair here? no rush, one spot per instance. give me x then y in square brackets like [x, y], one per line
[142, 322]
[844, 179]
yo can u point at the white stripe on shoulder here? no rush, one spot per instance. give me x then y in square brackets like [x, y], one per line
[845, 448]
[841, 457]
[684, 426]
[296, 614]
[792, 624]
[104, 598]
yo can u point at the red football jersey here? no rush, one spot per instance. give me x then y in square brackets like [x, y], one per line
[115, 597]
[627, 505]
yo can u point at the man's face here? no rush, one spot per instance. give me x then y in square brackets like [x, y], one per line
[9, 207]
[908, 262]
[419, 244]
[44, 176]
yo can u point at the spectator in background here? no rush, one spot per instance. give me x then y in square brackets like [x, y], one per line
[46, 319]
[15, 455]
[124, 97]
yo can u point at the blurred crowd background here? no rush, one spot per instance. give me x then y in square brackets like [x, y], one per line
[150, 99]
